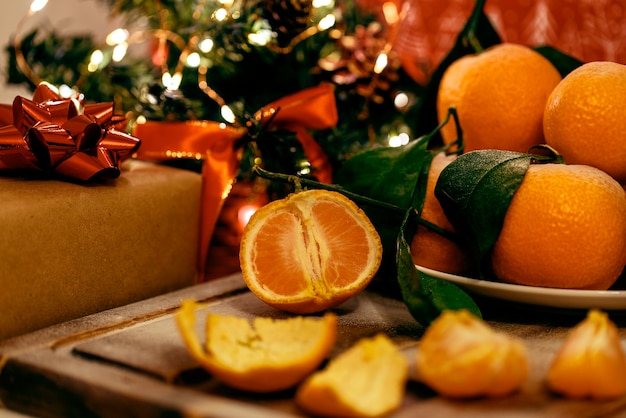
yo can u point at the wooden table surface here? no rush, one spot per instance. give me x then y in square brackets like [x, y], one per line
[131, 362]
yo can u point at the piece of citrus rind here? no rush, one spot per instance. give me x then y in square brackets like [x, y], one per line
[367, 380]
[266, 355]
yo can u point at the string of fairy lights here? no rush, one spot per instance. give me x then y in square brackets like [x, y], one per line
[195, 50]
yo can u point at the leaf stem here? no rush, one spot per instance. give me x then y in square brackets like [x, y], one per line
[300, 182]
[472, 39]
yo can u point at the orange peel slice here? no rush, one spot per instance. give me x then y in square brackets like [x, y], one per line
[262, 355]
[367, 380]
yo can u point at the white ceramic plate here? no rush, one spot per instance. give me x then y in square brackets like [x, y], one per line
[543, 296]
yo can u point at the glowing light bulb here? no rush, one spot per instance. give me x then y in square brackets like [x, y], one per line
[206, 45]
[261, 37]
[116, 37]
[38, 5]
[381, 63]
[96, 57]
[220, 14]
[65, 91]
[390, 11]
[398, 140]
[227, 114]
[401, 100]
[326, 22]
[321, 3]
[193, 60]
[172, 81]
[244, 214]
[119, 52]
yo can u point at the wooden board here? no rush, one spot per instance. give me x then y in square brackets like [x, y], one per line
[131, 361]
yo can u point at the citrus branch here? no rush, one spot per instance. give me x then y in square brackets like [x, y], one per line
[299, 182]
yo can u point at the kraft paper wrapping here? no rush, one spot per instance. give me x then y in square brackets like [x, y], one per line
[68, 250]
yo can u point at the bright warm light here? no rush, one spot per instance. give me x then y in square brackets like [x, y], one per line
[327, 22]
[261, 37]
[401, 100]
[172, 82]
[65, 91]
[37, 5]
[118, 36]
[220, 14]
[245, 213]
[206, 45]
[321, 3]
[193, 60]
[226, 3]
[390, 11]
[227, 114]
[381, 63]
[119, 52]
[399, 140]
[141, 120]
[96, 57]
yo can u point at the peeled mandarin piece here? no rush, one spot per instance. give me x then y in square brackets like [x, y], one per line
[309, 251]
[264, 355]
[367, 380]
[591, 362]
[460, 356]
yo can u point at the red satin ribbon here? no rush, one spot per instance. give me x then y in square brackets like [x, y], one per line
[53, 134]
[214, 143]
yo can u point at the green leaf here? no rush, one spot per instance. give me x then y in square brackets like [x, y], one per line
[475, 192]
[564, 63]
[426, 297]
[388, 174]
[396, 176]
[477, 34]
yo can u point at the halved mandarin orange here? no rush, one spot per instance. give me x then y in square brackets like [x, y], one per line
[367, 380]
[262, 355]
[309, 251]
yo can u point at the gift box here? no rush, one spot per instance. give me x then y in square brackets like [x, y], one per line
[70, 249]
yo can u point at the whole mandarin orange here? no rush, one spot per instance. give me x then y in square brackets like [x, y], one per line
[584, 117]
[499, 95]
[429, 248]
[565, 228]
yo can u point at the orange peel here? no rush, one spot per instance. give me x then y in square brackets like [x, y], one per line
[367, 380]
[262, 355]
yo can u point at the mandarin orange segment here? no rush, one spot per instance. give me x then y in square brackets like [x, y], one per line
[344, 244]
[460, 356]
[309, 251]
[591, 362]
[367, 380]
[264, 355]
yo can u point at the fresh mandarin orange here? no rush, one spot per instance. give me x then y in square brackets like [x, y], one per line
[565, 228]
[309, 251]
[367, 380]
[429, 248]
[591, 362]
[584, 117]
[264, 355]
[499, 95]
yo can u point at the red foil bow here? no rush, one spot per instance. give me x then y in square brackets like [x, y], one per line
[214, 143]
[63, 136]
